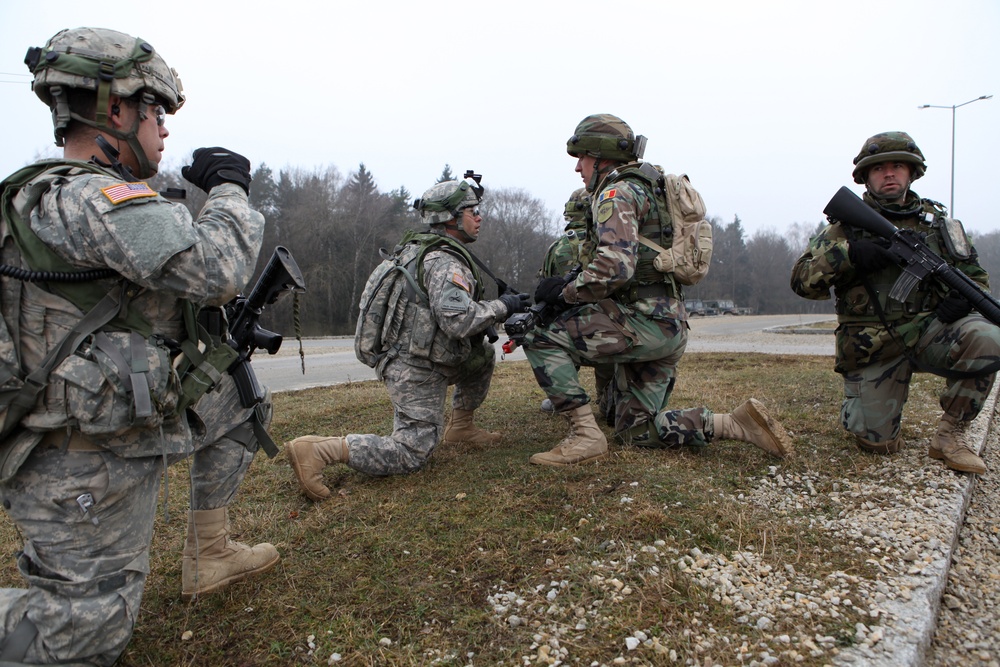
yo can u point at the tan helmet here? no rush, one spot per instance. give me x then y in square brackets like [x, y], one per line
[109, 63]
[889, 147]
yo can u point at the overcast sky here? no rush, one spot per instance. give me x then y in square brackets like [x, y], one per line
[764, 104]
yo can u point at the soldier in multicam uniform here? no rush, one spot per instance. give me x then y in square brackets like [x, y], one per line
[620, 310]
[880, 341]
[418, 381]
[81, 473]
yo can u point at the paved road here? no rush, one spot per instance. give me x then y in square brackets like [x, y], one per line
[332, 361]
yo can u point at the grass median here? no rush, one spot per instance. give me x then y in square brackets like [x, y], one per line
[649, 557]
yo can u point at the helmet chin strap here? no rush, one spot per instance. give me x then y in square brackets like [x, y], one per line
[597, 175]
[896, 207]
[464, 236]
[147, 169]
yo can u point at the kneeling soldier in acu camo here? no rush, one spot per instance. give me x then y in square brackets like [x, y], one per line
[881, 341]
[82, 459]
[620, 310]
[430, 340]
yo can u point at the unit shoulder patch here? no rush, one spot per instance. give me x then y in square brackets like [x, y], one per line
[604, 211]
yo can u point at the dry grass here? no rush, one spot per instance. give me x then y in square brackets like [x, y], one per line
[413, 559]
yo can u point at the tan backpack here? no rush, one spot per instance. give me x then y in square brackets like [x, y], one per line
[690, 254]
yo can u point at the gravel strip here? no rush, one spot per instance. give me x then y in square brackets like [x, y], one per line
[968, 631]
[904, 515]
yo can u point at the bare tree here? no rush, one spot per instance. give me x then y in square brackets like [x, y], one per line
[770, 261]
[516, 230]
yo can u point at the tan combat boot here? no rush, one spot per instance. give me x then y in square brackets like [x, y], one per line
[889, 447]
[584, 444]
[308, 455]
[751, 423]
[212, 561]
[461, 429]
[950, 445]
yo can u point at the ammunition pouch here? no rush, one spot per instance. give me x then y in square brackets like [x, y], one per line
[203, 365]
[857, 306]
[205, 373]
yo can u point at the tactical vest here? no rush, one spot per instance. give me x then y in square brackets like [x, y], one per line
[854, 303]
[647, 282]
[118, 355]
[395, 316]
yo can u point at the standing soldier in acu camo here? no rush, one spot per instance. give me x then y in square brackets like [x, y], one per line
[431, 342]
[880, 341]
[106, 407]
[620, 310]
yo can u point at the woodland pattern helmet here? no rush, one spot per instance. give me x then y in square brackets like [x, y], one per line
[604, 136]
[104, 61]
[889, 147]
[577, 205]
[445, 200]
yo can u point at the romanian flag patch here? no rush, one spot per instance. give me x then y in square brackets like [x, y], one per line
[458, 279]
[609, 194]
[125, 191]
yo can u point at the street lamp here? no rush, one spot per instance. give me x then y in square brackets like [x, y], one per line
[951, 206]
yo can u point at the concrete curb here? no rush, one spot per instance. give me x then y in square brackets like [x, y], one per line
[798, 330]
[907, 639]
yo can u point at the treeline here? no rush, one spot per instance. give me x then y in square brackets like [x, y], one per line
[334, 227]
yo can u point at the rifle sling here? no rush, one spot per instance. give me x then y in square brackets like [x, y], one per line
[502, 287]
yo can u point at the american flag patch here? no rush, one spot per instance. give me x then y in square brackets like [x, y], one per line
[125, 191]
[460, 280]
[610, 194]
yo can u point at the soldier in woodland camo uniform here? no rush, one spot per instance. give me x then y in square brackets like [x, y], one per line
[564, 255]
[418, 376]
[81, 473]
[620, 310]
[934, 327]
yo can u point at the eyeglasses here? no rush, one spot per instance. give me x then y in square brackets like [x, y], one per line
[159, 114]
[473, 211]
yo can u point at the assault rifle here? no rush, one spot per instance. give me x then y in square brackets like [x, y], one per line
[281, 275]
[518, 325]
[918, 261]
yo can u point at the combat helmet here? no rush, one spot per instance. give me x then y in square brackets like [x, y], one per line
[445, 200]
[889, 147]
[577, 205]
[109, 63]
[607, 137]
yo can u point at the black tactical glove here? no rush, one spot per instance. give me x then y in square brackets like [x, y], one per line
[952, 308]
[516, 303]
[870, 256]
[550, 289]
[214, 166]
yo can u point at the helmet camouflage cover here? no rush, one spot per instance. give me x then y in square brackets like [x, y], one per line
[445, 200]
[889, 147]
[577, 205]
[605, 136]
[105, 61]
